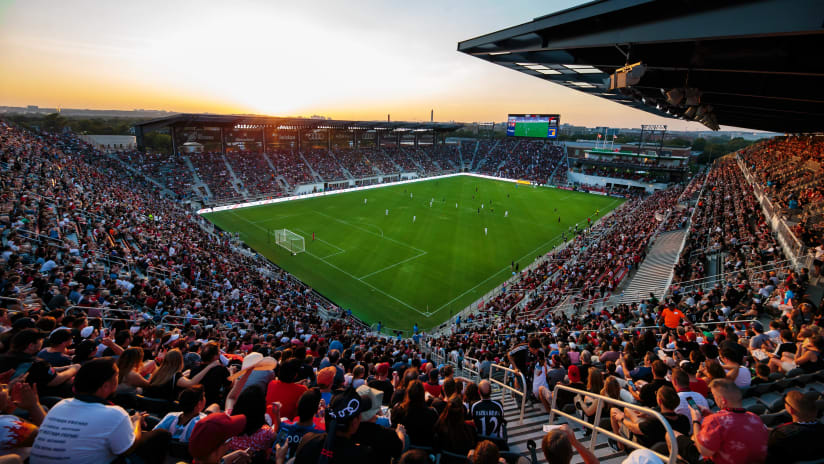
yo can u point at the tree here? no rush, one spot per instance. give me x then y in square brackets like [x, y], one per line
[54, 122]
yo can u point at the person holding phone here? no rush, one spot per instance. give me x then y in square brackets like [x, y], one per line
[688, 398]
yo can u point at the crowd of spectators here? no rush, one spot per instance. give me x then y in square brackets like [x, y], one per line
[790, 171]
[355, 161]
[211, 169]
[257, 176]
[727, 220]
[324, 163]
[128, 332]
[291, 167]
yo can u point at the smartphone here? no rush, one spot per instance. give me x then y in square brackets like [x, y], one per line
[631, 384]
[692, 404]
[548, 428]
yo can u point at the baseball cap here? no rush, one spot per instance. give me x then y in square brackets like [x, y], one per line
[212, 431]
[346, 406]
[382, 368]
[326, 376]
[574, 374]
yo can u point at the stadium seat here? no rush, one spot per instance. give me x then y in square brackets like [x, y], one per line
[795, 372]
[179, 450]
[776, 418]
[756, 408]
[153, 406]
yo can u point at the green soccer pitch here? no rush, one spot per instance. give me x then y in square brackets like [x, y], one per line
[418, 263]
[531, 129]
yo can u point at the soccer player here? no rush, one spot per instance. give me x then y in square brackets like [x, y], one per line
[485, 230]
[506, 213]
[410, 195]
[482, 206]
[413, 219]
[387, 212]
[364, 201]
[559, 219]
[456, 206]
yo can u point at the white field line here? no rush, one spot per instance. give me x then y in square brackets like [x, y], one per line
[343, 271]
[369, 231]
[393, 265]
[493, 275]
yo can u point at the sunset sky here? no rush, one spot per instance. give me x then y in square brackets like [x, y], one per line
[356, 60]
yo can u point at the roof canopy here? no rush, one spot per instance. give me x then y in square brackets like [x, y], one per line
[292, 123]
[753, 64]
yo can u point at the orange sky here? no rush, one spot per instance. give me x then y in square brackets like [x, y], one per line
[357, 60]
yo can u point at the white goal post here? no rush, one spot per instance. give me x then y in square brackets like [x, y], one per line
[290, 240]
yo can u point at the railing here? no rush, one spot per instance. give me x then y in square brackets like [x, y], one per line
[596, 429]
[511, 390]
[472, 366]
[165, 320]
[704, 282]
[786, 237]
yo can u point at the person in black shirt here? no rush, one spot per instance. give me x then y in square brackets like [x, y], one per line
[338, 444]
[382, 383]
[216, 382]
[418, 418]
[387, 444]
[646, 395]
[799, 440]
[487, 414]
[24, 346]
[649, 430]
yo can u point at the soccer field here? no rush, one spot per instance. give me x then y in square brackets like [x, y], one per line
[531, 129]
[418, 263]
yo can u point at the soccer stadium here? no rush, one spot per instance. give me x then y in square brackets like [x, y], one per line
[223, 287]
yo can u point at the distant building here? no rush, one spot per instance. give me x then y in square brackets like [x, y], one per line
[111, 143]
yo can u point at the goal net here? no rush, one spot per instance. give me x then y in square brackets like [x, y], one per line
[289, 240]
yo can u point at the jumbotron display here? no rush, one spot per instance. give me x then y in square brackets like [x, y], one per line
[533, 125]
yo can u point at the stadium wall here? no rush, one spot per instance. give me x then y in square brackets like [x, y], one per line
[353, 189]
[603, 181]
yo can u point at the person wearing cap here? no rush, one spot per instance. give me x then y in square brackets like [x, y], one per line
[566, 397]
[343, 418]
[801, 439]
[56, 353]
[325, 380]
[386, 443]
[86, 429]
[381, 382]
[209, 442]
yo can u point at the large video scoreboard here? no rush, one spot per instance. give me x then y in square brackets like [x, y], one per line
[533, 125]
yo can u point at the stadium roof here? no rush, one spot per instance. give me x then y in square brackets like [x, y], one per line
[292, 123]
[752, 64]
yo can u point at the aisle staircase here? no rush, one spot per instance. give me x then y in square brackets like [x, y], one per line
[532, 428]
[655, 273]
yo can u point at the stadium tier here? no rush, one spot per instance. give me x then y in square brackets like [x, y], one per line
[105, 261]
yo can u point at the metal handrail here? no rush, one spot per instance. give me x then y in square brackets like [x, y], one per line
[473, 363]
[506, 387]
[596, 429]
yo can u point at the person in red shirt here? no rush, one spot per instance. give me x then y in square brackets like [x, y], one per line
[284, 389]
[732, 435]
[432, 386]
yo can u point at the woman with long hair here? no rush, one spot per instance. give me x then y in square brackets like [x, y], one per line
[418, 418]
[168, 378]
[454, 434]
[258, 434]
[595, 383]
[129, 365]
[471, 395]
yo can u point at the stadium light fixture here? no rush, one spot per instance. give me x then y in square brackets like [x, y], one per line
[548, 71]
[583, 68]
[498, 53]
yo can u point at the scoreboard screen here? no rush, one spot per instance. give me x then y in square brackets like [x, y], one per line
[533, 125]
